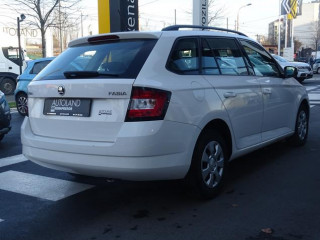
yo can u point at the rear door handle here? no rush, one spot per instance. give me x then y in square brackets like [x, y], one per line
[266, 91]
[229, 94]
[10, 68]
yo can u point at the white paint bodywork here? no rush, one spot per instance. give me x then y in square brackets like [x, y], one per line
[257, 111]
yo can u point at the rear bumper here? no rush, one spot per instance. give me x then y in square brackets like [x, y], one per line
[156, 150]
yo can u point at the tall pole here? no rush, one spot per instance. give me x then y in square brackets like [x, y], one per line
[279, 29]
[175, 17]
[292, 32]
[286, 32]
[227, 23]
[249, 4]
[60, 27]
[81, 26]
[19, 45]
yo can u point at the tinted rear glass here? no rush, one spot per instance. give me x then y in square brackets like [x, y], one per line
[118, 59]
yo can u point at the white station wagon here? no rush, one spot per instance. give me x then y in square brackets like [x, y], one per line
[162, 105]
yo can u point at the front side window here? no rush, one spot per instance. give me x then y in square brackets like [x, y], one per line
[226, 54]
[184, 58]
[263, 64]
[209, 63]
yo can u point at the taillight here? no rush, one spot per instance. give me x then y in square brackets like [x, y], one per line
[147, 104]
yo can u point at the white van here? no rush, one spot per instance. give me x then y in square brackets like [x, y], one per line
[9, 68]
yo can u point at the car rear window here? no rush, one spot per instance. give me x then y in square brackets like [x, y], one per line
[116, 59]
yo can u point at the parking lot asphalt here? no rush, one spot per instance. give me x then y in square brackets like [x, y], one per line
[272, 194]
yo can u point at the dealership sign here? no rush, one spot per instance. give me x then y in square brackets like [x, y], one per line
[118, 16]
[200, 12]
[26, 32]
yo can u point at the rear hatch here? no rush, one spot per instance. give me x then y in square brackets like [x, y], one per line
[84, 93]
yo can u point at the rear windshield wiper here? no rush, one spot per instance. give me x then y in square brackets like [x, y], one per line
[87, 74]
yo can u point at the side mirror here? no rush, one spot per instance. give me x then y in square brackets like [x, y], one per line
[290, 72]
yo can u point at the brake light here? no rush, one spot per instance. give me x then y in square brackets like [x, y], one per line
[147, 104]
[103, 38]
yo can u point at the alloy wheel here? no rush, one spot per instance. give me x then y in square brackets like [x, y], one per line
[22, 104]
[212, 164]
[302, 125]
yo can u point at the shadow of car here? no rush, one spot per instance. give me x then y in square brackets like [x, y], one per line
[5, 116]
[21, 92]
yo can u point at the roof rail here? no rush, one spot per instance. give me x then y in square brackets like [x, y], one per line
[177, 27]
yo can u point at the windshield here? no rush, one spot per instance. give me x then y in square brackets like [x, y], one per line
[121, 59]
[280, 59]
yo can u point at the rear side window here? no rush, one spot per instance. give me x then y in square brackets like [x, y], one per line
[116, 59]
[184, 58]
[224, 53]
[263, 64]
[38, 66]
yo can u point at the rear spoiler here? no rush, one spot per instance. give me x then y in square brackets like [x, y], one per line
[116, 36]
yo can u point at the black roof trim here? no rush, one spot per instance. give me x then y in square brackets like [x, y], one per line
[177, 27]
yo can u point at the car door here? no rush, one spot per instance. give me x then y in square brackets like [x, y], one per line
[225, 68]
[278, 93]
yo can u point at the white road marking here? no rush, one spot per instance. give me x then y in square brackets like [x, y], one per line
[311, 106]
[1, 220]
[39, 186]
[313, 96]
[12, 160]
[311, 88]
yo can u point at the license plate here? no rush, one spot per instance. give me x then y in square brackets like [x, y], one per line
[77, 107]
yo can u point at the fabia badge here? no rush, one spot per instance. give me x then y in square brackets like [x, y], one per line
[61, 90]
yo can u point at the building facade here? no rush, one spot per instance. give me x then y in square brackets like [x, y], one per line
[306, 26]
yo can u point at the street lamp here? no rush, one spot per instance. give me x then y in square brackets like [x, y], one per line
[249, 4]
[19, 20]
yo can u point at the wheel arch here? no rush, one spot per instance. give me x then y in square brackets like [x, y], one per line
[16, 94]
[223, 128]
[305, 103]
[3, 75]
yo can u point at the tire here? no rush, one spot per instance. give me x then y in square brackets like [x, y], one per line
[22, 103]
[299, 138]
[318, 70]
[1, 137]
[300, 80]
[208, 168]
[7, 86]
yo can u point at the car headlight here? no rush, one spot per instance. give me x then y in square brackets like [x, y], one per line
[1, 95]
[3, 104]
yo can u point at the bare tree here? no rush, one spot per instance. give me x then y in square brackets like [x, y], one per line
[39, 13]
[66, 25]
[214, 13]
[316, 35]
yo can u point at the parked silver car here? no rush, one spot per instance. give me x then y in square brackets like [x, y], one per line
[304, 69]
[316, 66]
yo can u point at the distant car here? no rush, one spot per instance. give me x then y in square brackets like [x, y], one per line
[302, 59]
[304, 69]
[5, 116]
[316, 66]
[21, 92]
